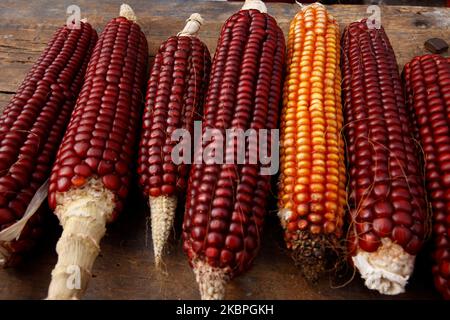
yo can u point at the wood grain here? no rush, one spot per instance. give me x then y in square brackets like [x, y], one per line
[125, 268]
[26, 26]
[4, 99]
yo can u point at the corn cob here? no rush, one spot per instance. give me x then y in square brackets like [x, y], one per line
[175, 93]
[386, 195]
[428, 98]
[226, 203]
[91, 175]
[31, 128]
[312, 177]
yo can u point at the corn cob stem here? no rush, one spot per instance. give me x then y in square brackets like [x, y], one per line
[387, 269]
[192, 26]
[255, 5]
[83, 215]
[127, 12]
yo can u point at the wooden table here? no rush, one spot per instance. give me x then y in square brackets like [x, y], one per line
[125, 269]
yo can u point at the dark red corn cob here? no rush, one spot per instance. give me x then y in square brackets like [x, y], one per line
[427, 81]
[387, 199]
[90, 178]
[226, 203]
[175, 94]
[31, 129]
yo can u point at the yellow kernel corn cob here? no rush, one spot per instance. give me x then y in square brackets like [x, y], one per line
[312, 180]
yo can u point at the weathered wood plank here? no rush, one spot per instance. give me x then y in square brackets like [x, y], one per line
[26, 26]
[4, 99]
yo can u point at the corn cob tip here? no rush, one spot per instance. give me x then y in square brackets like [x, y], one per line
[192, 26]
[314, 253]
[162, 211]
[254, 4]
[127, 12]
[83, 213]
[386, 270]
[211, 281]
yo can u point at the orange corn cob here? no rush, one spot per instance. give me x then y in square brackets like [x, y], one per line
[312, 181]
